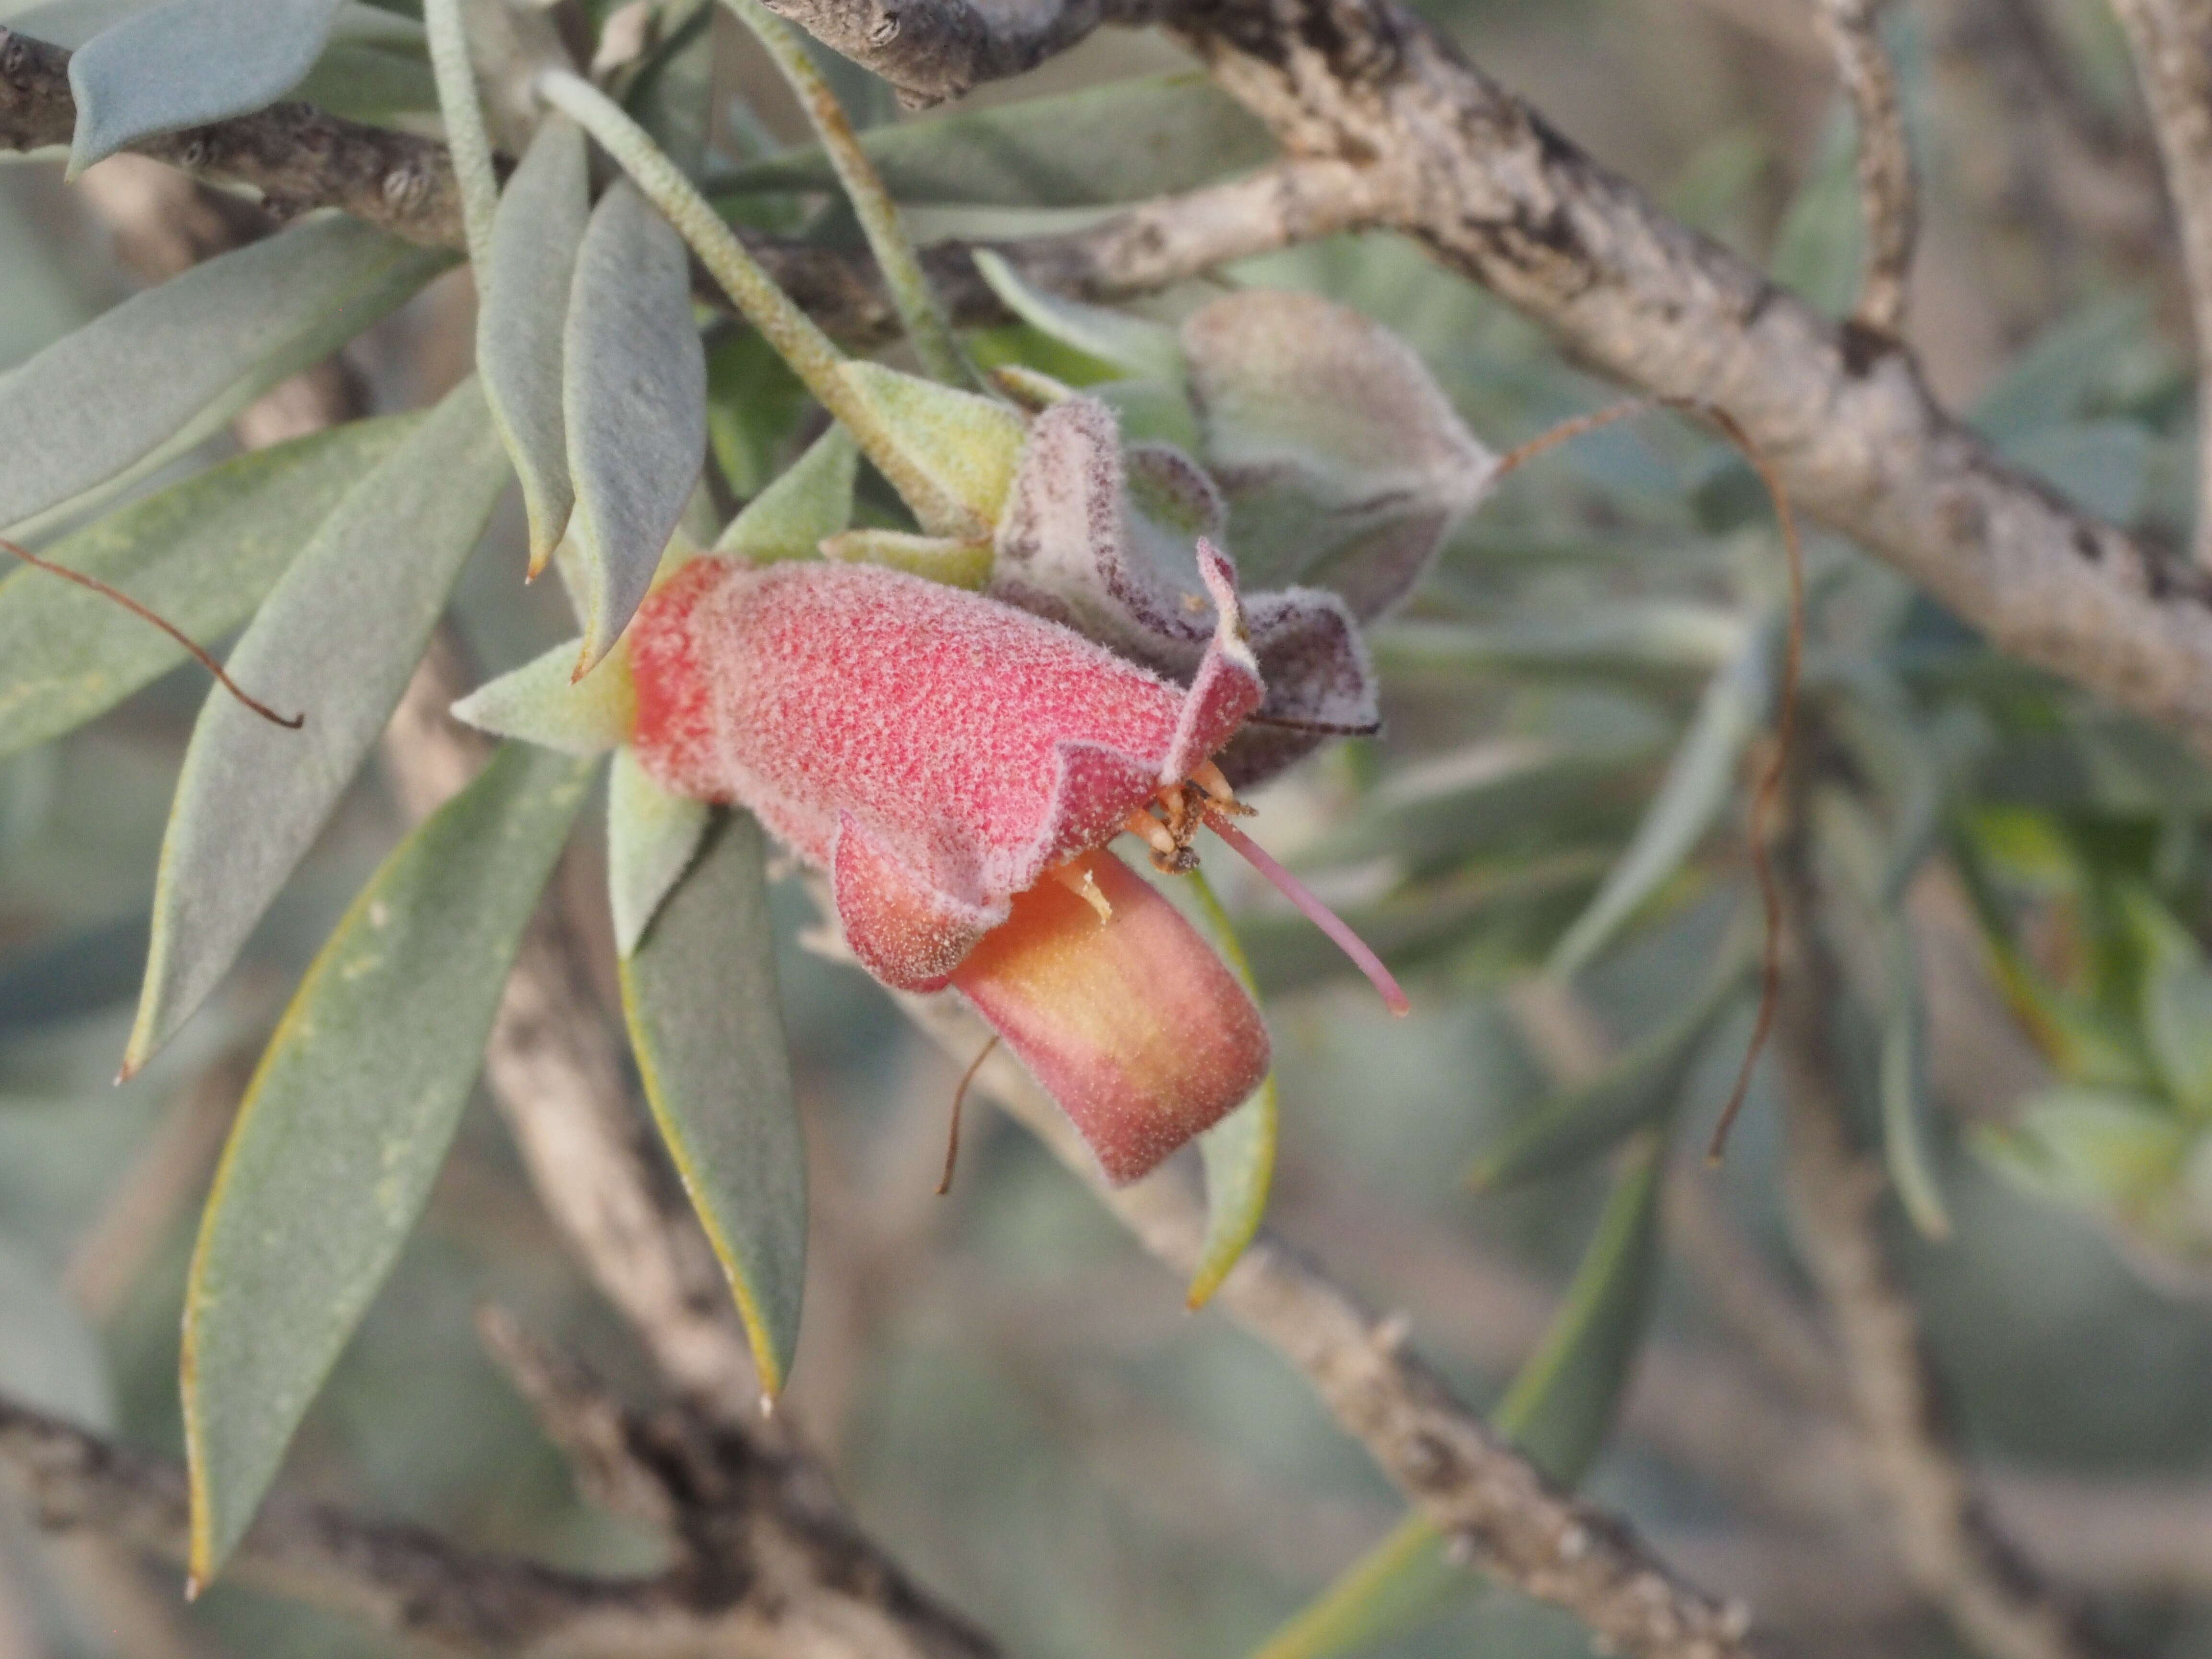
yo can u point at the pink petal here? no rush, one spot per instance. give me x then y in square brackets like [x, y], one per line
[1131, 1023]
[969, 745]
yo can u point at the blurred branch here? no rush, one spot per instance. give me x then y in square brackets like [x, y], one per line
[1390, 128]
[932, 49]
[782, 1584]
[295, 155]
[2172, 40]
[1497, 194]
[1517, 1526]
[1888, 194]
[1942, 1537]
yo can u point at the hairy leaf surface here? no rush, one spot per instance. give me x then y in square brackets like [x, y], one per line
[706, 1025]
[534, 238]
[188, 62]
[145, 381]
[336, 640]
[201, 553]
[347, 1122]
[634, 388]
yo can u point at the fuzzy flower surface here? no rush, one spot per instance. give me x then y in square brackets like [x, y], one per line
[957, 765]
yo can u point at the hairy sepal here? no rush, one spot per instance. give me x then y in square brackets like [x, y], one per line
[540, 703]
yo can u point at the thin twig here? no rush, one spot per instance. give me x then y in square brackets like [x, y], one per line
[797, 338]
[2172, 40]
[960, 1099]
[468, 140]
[1889, 197]
[923, 317]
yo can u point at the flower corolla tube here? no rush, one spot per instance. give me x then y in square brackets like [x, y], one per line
[958, 766]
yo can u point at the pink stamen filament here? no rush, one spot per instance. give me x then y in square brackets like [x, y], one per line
[1394, 996]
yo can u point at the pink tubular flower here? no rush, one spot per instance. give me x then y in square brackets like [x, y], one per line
[958, 766]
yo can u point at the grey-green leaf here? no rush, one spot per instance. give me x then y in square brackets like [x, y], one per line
[1561, 1401]
[652, 838]
[810, 501]
[1119, 142]
[147, 379]
[634, 390]
[534, 238]
[1136, 344]
[707, 1026]
[188, 62]
[1903, 1085]
[1559, 1410]
[1640, 1085]
[201, 553]
[347, 1121]
[336, 640]
[1697, 787]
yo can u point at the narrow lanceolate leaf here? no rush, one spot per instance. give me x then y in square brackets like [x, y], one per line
[809, 502]
[525, 308]
[1561, 1401]
[336, 641]
[188, 62]
[1399, 1583]
[633, 391]
[706, 1025]
[540, 702]
[1239, 1151]
[167, 367]
[1642, 1084]
[1699, 782]
[1904, 1084]
[201, 553]
[347, 1122]
[1134, 344]
[1559, 1410]
[1112, 144]
[652, 838]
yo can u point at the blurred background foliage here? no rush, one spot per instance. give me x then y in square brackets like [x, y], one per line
[1010, 1395]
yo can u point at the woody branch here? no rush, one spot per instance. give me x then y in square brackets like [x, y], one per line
[1387, 125]
[1447, 1461]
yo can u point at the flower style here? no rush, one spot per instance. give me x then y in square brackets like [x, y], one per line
[958, 766]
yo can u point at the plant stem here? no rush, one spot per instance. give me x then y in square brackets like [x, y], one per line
[465, 136]
[916, 302]
[789, 330]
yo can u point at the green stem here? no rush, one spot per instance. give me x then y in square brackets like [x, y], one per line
[916, 302]
[465, 136]
[789, 330]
